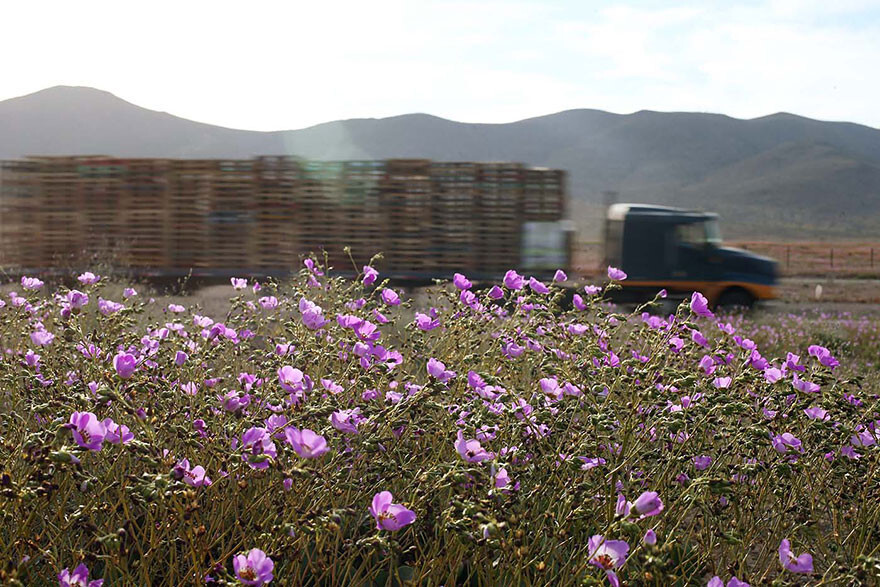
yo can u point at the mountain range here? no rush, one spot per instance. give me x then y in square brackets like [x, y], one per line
[777, 177]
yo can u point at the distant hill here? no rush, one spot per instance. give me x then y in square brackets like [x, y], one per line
[780, 176]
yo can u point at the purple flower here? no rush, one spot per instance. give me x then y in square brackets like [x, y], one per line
[42, 337]
[310, 265]
[513, 280]
[258, 448]
[77, 299]
[591, 463]
[502, 479]
[116, 433]
[31, 283]
[783, 442]
[616, 274]
[592, 290]
[194, 477]
[368, 331]
[180, 358]
[648, 504]
[78, 578]
[650, 537]
[238, 283]
[734, 582]
[772, 374]
[804, 386]
[802, 564]
[496, 293]
[312, 315]
[370, 275]
[439, 371]
[538, 287]
[425, 322]
[816, 413]
[107, 307]
[87, 431]
[607, 555]
[306, 443]
[560, 276]
[700, 305]
[471, 450]
[823, 355]
[290, 378]
[88, 278]
[268, 302]
[722, 382]
[255, 569]
[388, 515]
[346, 420]
[461, 282]
[125, 364]
[390, 297]
[701, 463]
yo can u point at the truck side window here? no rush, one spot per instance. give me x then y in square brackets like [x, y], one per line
[693, 234]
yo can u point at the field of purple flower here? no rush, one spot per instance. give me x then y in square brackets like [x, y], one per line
[327, 432]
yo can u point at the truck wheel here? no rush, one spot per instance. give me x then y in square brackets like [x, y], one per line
[735, 298]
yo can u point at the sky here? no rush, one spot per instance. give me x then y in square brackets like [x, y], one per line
[273, 65]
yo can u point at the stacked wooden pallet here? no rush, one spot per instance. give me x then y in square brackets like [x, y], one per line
[264, 214]
[499, 214]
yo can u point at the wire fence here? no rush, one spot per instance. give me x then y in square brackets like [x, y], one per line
[858, 259]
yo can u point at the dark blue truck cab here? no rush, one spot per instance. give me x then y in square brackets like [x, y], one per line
[681, 251]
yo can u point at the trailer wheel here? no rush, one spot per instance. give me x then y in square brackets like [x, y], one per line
[735, 298]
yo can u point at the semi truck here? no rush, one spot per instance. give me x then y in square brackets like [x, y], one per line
[212, 219]
[679, 250]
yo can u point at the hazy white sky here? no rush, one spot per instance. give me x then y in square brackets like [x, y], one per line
[270, 65]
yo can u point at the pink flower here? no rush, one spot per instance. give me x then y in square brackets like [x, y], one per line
[125, 364]
[370, 275]
[471, 450]
[87, 431]
[439, 371]
[513, 280]
[78, 578]
[116, 433]
[648, 504]
[306, 443]
[538, 287]
[194, 477]
[255, 568]
[346, 420]
[88, 278]
[31, 283]
[290, 378]
[802, 564]
[390, 297]
[616, 274]
[461, 282]
[425, 322]
[700, 305]
[388, 515]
